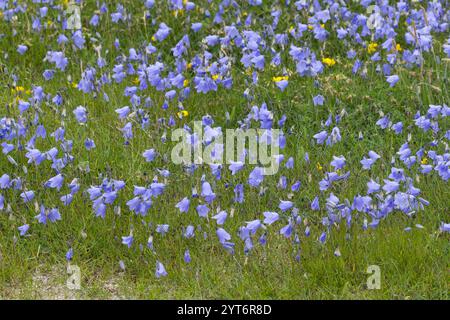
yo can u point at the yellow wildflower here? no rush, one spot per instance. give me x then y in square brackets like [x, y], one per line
[182, 113]
[398, 47]
[153, 38]
[136, 80]
[372, 47]
[329, 61]
[319, 167]
[424, 160]
[215, 77]
[189, 65]
[185, 83]
[277, 79]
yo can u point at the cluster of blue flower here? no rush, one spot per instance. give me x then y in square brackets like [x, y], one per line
[369, 31]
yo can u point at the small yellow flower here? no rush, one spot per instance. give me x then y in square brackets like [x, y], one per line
[424, 160]
[18, 89]
[177, 13]
[329, 61]
[322, 26]
[372, 47]
[319, 167]
[398, 47]
[291, 28]
[310, 27]
[182, 113]
[49, 23]
[74, 84]
[189, 66]
[136, 80]
[277, 79]
[244, 13]
[153, 38]
[215, 77]
[185, 83]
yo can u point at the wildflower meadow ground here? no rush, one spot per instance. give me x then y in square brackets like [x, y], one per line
[248, 149]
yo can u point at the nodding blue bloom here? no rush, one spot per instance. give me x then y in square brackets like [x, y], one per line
[235, 167]
[56, 182]
[383, 122]
[254, 225]
[372, 187]
[270, 217]
[80, 114]
[285, 205]
[5, 181]
[256, 177]
[390, 186]
[239, 193]
[318, 100]
[338, 162]
[323, 237]
[286, 230]
[315, 204]
[23, 229]
[445, 227]
[196, 26]
[397, 127]
[223, 235]
[27, 196]
[282, 84]
[48, 214]
[392, 80]
[67, 199]
[189, 232]
[187, 256]
[69, 254]
[89, 144]
[149, 155]
[127, 131]
[207, 192]
[58, 58]
[127, 240]
[296, 186]
[202, 210]
[78, 39]
[290, 163]
[162, 228]
[163, 32]
[220, 217]
[183, 205]
[7, 148]
[48, 74]
[321, 137]
[160, 270]
[21, 49]
[23, 106]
